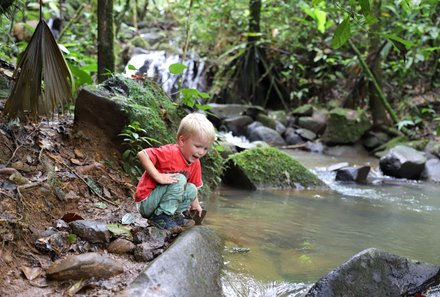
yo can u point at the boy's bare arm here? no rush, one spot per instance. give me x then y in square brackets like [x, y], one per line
[148, 166]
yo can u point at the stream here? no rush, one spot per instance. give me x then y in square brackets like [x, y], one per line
[279, 242]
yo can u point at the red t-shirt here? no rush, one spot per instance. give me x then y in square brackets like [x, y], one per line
[168, 159]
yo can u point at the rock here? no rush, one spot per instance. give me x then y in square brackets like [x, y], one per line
[357, 174]
[267, 167]
[218, 112]
[143, 252]
[345, 126]
[121, 246]
[190, 267]
[92, 231]
[111, 117]
[337, 166]
[291, 137]
[432, 170]
[266, 120]
[305, 110]
[237, 124]
[267, 135]
[84, 266]
[373, 272]
[403, 162]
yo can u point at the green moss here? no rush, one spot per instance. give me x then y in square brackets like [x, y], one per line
[270, 167]
[146, 103]
[418, 144]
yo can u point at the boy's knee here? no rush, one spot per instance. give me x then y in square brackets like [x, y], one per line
[182, 179]
[191, 190]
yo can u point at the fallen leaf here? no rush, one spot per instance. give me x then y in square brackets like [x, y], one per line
[31, 272]
[70, 217]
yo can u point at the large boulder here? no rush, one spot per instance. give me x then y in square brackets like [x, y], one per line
[373, 272]
[403, 162]
[190, 267]
[119, 101]
[345, 126]
[267, 167]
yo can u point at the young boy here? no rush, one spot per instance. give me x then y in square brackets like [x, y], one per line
[172, 175]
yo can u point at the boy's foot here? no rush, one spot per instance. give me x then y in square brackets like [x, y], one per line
[166, 222]
[182, 221]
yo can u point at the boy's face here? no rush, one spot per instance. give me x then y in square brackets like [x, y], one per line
[193, 147]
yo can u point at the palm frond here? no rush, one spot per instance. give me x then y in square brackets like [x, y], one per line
[42, 79]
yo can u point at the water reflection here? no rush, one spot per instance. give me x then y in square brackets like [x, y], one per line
[295, 237]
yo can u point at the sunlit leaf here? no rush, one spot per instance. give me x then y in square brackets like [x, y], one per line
[177, 68]
[118, 229]
[404, 123]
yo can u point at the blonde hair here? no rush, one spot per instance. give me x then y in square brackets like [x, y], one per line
[196, 124]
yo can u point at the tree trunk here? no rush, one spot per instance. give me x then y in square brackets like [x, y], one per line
[106, 57]
[254, 20]
[378, 112]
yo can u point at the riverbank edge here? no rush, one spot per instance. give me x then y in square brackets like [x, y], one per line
[191, 266]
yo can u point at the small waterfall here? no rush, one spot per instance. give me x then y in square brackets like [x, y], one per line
[155, 65]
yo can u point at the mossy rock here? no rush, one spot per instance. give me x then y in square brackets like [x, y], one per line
[267, 167]
[345, 126]
[303, 110]
[119, 101]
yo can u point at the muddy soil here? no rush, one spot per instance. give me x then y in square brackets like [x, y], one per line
[47, 170]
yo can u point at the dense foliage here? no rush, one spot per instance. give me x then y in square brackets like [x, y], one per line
[309, 46]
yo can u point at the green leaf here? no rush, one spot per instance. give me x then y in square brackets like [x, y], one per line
[392, 37]
[321, 18]
[342, 34]
[71, 238]
[82, 77]
[131, 67]
[365, 6]
[177, 68]
[118, 229]
[404, 123]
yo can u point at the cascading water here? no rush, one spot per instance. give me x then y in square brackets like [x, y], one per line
[155, 65]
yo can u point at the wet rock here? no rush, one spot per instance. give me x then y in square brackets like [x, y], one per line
[403, 162]
[267, 135]
[338, 166]
[291, 137]
[432, 170]
[237, 125]
[357, 174]
[373, 272]
[92, 231]
[84, 266]
[121, 246]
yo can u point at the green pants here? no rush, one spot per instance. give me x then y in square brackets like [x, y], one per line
[169, 199]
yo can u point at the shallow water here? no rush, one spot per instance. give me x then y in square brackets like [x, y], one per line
[282, 239]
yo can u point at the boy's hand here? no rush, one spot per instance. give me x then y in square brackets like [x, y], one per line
[167, 178]
[197, 207]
